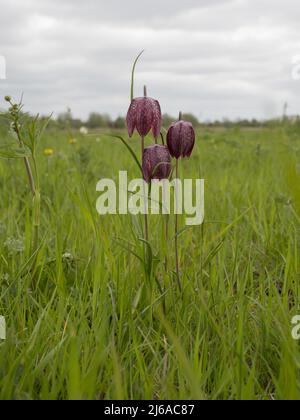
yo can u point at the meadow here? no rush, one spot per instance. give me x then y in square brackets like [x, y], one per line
[88, 323]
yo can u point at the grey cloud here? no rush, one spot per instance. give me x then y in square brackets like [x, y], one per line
[116, 10]
[221, 58]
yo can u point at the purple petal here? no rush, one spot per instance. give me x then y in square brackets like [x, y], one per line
[174, 139]
[156, 163]
[144, 116]
[188, 140]
[157, 119]
[147, 165]
[131, 117]
[181, 139]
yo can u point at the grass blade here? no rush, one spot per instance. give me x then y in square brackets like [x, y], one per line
[132, 75]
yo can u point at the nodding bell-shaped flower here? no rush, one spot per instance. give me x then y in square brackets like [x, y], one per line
[156, 163]
[144, 114]
[181, 139]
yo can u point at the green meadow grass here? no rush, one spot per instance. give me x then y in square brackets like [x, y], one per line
[90, 325]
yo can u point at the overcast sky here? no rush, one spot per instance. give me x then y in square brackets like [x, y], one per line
[215, 58]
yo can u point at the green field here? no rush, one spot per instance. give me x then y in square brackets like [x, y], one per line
[87, 323]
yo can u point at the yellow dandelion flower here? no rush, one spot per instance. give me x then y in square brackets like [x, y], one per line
[72, 141]
[48, 152]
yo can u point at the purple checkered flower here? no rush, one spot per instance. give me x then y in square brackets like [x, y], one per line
[181, 139]
[143, 115]
[156, 163]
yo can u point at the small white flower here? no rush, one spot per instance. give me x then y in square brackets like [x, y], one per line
[68, 256]
[14, 245]
[84, 131]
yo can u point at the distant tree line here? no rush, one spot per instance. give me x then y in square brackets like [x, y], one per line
[66, 121]
[98, 120]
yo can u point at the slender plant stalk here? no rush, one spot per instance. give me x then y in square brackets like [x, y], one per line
[176, 223]
[144, 193]
[36, 207]
[167, 240]
[30, 176]
[132, 75]
[166, 231]
[35, 194]
[176, 231]
[26, 161]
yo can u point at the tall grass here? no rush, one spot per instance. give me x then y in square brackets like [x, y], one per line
[92, 330]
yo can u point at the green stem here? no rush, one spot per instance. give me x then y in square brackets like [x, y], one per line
[34, 190]
[144, 193]
[36, 207]
[36, 219]
[132, 75]
[26, 161]
[167, 241]
[176, 231]
[165, 231]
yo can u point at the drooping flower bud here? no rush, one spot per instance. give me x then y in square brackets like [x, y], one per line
[156, 163]
[181, 139]
[144, 114]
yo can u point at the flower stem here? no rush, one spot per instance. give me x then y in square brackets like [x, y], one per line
[35, 194]
[176, 231]
[167, 240]
[26, 161]
[145, 198]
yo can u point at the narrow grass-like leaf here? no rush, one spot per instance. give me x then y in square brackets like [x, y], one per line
[129, 148]
[148, 256]
[10, 152]
[132, 75]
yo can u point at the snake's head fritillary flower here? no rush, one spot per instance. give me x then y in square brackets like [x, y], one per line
[144, 114]
[181, 139]
[156, 163]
